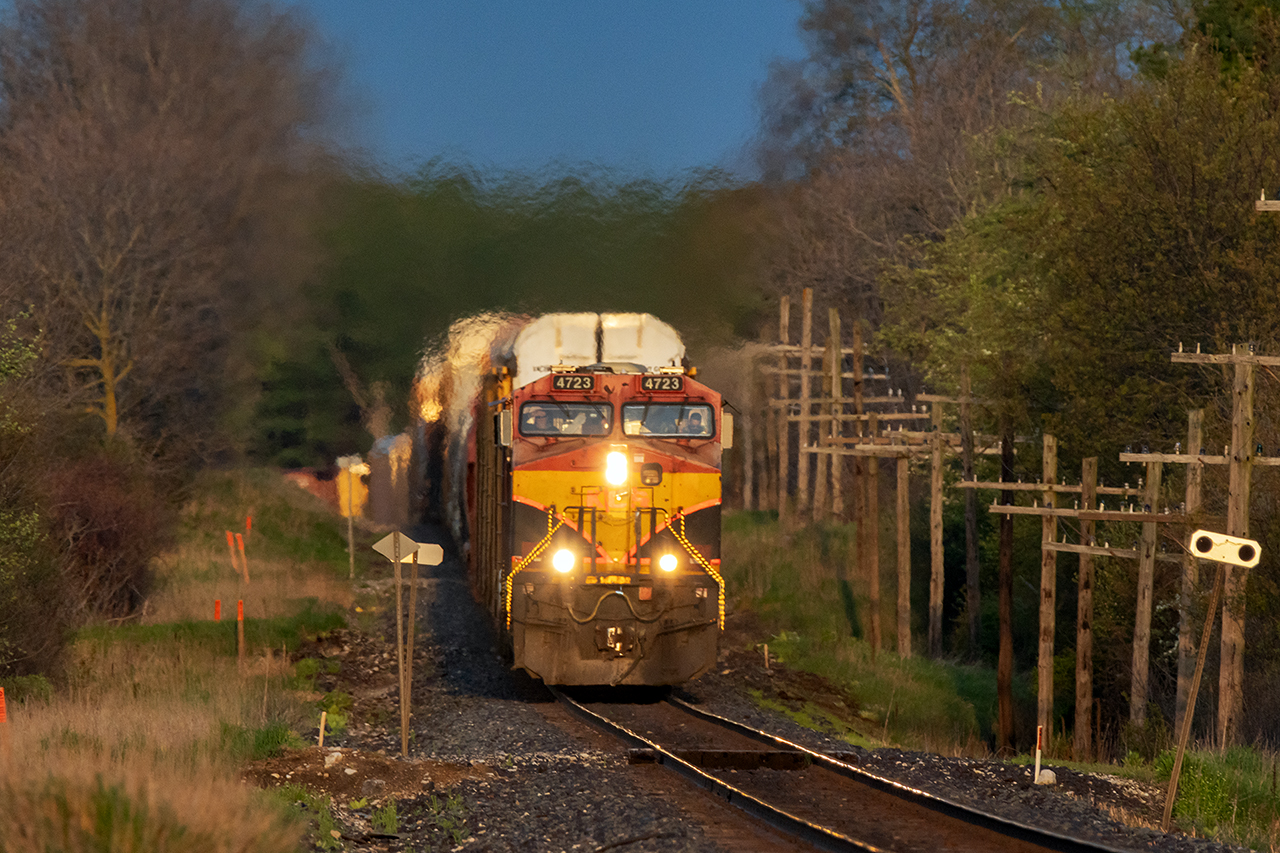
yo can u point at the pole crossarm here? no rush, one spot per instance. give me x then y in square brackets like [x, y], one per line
[1187, 458]
[890, 400]
[800, 371]
[862, 418]
[1089, 514]
[887, 450]
[1225, 358]
[1100, 551]
[1043, 487]
[819, 351]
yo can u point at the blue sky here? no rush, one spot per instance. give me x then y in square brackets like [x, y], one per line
[643, 86]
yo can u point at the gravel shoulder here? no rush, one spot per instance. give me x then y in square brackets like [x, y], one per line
[495, 765]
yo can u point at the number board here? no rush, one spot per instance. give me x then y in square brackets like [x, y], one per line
[572, 382]
[662, 383]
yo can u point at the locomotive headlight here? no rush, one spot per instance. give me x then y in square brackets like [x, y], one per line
[562, 561]
[667, 562]
[615, 468]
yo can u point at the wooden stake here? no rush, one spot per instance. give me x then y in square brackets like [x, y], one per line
[323, 716]
[244, 563]
[1185, 733]
[231, 549]
[4, 728]
[404, 699]
[413, 626]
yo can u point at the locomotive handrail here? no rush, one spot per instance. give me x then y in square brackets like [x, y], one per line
[533, 552]
[596, 609]
[699, 559]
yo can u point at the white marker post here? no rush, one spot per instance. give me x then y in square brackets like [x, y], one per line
[1039, 747]
[401, 549]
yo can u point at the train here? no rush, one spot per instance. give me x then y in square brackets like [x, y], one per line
[582, 467]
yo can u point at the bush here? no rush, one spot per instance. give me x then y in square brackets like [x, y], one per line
[110, 521]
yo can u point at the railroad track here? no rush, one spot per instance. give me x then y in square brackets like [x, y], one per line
[819, 799]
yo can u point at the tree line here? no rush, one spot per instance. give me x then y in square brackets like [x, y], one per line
[1040, 202]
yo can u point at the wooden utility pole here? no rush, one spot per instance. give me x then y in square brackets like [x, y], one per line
[806, 347]
[1240, 467]
[783, 431]
[936, 574]
[1004, 662]
[1142, 611]
[1048, 590]
[972, 569]
[1082, 746]
[871, 532]
[837, 409]
[904, 557]
[1231, 671]
[1190, 570]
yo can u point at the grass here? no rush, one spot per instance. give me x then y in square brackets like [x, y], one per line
[138, 747]
[1230, 795]
[799, 586]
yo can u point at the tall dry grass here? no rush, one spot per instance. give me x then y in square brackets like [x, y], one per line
[138, 750]
[131, 756]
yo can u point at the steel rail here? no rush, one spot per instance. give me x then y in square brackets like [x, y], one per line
[1040, 837]
[819, 836]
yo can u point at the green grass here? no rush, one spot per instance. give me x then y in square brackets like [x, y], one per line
[801, 587]
[288, 523]
[307, 622]
[1230, 796]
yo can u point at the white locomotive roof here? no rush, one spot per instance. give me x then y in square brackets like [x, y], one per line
[578, 340]
[639, 338]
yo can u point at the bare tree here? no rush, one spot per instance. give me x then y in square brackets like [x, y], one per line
[149, 150]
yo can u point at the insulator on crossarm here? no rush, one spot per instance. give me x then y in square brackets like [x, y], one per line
[1177, 447]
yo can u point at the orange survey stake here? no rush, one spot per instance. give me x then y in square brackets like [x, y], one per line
[217, 610]
[3, 715]
[244, 563]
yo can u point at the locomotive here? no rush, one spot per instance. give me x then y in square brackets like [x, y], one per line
[591, 498]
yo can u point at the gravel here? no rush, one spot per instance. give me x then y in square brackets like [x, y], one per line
[535, 781]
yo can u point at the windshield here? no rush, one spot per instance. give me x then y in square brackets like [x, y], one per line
[548, 417]
[673, 420]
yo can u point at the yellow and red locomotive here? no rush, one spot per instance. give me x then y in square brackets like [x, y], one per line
[593, 503]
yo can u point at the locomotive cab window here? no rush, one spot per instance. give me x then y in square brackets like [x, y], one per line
[668, 420]
[549, 417]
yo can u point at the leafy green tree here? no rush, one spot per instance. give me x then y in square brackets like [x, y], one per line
[30, 618]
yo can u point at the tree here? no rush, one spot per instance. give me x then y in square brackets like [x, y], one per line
[967, 313]
[151, 154]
